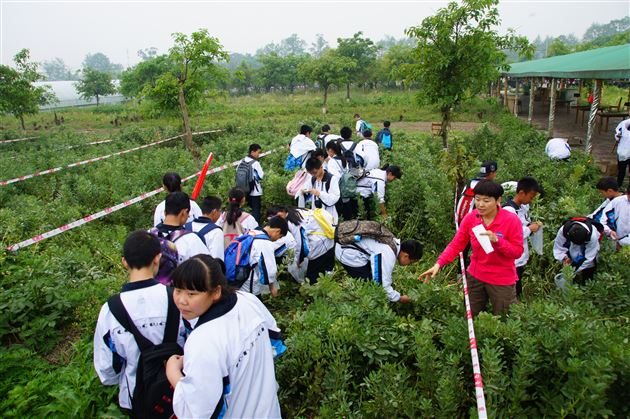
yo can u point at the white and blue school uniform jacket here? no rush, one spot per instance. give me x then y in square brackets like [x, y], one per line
[158, 215]
[597, 215]
[328, 196]
[373, 182]
[213, 239]
[523, 214]
[116, 353]
[262, 259]
[228, 363]
[588, 251]
[379, 256]
[257, 175]
[309, 238]
[617, 217]
[370, 153]
[334, 166]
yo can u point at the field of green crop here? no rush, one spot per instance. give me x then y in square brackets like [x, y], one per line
[350, 352]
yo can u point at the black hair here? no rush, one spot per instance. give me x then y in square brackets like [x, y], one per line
[201, 273]
[336, 148]
[489, 188]
[413, 248]
[278, 222]
[326, 128]
[176, 202]
[293, 214]
[356, 115]
[305, 129]
[345, 133]
[367, 133]
[393, 169]
[254, 147]
[386, 124]
[210, 203]
[606, 183]
[528, 184]
[318, 153]
[140, 248]
[576, 233]
[172, 182]
[312, 164]
[234, 211]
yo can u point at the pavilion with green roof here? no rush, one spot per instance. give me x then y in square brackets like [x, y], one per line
[608, 63]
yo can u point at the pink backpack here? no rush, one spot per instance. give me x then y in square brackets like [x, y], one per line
[295, 185]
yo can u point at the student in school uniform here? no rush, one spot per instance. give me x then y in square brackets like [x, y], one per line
[263, 259]
[207, 229]
[577, 244]
[359, 125]
[321, 189]
[609, 189]
[116, 352]
[373, 260]
[622, 146]
[336, 164]
[300, 148]
[311, 245]
[254, 191]
[177, 209]
[234, 221]
[325, 137]
[375, 181]
[526, 190]
[369, 151]
[616, 219]
[227, 369]
[384, 136]
[172, 182]
[558, 149]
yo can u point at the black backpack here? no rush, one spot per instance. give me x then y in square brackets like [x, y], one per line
[245, 176]
[320, 142]
[349, 155]
[153, 394]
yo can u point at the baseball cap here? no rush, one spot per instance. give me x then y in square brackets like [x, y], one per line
[487, 167]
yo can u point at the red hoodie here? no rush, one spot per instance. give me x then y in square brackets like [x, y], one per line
[496, 268]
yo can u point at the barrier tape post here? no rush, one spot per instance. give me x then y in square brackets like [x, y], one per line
[80, 163]
[106, 211]
[474, 355]
[202, 177]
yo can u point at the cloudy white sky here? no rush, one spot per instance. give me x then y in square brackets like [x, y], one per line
[71, 29]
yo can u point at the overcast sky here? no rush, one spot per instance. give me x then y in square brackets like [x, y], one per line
[71, 29]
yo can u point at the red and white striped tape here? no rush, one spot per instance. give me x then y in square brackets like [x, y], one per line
[106, 211]
[80, 163]
[15, 140]
[482, 412]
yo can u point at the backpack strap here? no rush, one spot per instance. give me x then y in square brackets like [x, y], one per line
[354, 145]
[206, 229]
[188, 226]
[510, 203]
[177, 234]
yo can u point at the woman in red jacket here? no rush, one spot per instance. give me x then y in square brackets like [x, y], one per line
[491, 276]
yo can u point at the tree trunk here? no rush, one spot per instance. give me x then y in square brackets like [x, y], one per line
[22, 122]
[347, 92]
[324, 108]
[446, 124]
[97, 100]
[187, 130]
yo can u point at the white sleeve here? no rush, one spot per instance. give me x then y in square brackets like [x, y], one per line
[605, 218]
[267, 263]
[104, 352]
[331, 197]
[259, 170]
[214, 241]
[382, 268]
[195, 211]
[158, 215]
[249, 223]
[380, 190]
[199, 392]
[560, 249]
[591, 250]
[357, 126]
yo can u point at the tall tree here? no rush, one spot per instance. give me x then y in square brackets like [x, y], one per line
[363, 52]
[459, 52]
[134, 79]
[191, 56]
[95, 84]
[56, 69]
[100, 62]
[597, 30]
[147, 53]
[327, 70]
[18, 95]
[293, 45]
[319, 46]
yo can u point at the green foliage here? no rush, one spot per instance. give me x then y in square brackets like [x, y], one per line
[329, 69]
[95, 84]
[101, 63]
[148, 71]
[362, 51]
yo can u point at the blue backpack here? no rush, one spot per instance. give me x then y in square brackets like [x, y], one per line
[365, 126]
[209, 226]
[237, 259]
[293, 163]
[386, 139]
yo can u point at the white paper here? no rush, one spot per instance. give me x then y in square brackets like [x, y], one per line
[484, 241]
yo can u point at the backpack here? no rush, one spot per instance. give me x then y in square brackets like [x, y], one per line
[325, 221]
[170, 255]
[352, 160]
[237, 260]
[153, 394]
[365, 126]
[230, 232]
[590, 223]
[293, 163]
[466, 202]
[320, 142]
[386, 139]
[209, 226]
[510, 203]
[348, 233]
[295, 185]
[245, 176]
[348, 182]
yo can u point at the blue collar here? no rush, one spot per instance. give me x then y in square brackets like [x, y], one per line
[137, 285]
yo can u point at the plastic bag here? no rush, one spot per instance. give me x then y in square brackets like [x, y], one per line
[298, 272]
[536, 239]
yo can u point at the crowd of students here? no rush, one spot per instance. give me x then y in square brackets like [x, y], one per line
[189, 334]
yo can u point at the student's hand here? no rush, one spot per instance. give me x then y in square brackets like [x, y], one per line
[566, 261]
[493, 237]
[404, 299]
[430, 273]
[174, 367]
[315, 192]
[534, 227]
[614, 235]
[273, 290]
